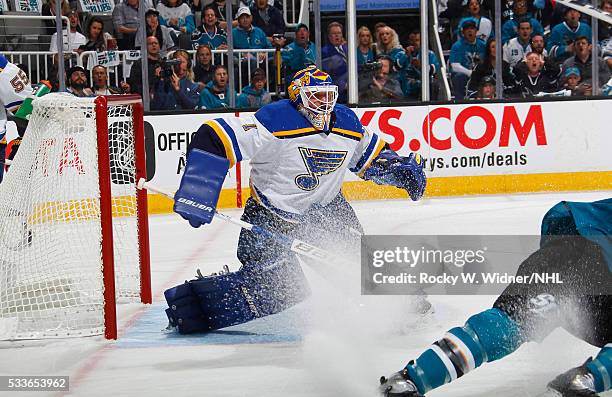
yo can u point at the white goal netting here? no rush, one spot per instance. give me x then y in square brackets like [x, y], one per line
[51, 282]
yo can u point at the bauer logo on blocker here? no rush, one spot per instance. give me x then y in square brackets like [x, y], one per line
[194, 204]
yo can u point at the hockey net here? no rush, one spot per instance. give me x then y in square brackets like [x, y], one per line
[73, 226]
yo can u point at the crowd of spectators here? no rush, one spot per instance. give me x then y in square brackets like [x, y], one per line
[546, 50]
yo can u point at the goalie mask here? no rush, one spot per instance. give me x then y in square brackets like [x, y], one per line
[314, 95]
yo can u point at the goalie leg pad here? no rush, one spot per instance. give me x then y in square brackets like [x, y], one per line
[220, 301]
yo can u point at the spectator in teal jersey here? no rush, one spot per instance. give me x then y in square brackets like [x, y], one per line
[216, 93]
[561, 43]
[483, 24]
[388, 44]
[255, 94]
[247, 36]
[299, 54]
[209, 32]
[465, 55]
[365, 52]
[411, 67]
[510, 27]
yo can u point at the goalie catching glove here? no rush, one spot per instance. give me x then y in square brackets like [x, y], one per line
[197, 197]
[406, 173]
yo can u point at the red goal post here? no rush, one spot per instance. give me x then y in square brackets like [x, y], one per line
[102, 103]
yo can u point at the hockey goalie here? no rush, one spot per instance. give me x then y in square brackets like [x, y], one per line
[299, 150]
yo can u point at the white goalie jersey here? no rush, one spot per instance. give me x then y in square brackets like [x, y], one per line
[14, 89]
[294, 166]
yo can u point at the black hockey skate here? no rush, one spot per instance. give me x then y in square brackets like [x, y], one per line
[577, 382]
[398, 385]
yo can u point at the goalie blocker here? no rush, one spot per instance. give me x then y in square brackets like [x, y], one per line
[197, 197]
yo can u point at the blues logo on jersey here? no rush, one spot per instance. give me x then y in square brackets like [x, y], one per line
[318, 162]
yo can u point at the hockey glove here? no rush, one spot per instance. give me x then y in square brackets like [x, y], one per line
[196, 200]
[404, 172]
[13, 147]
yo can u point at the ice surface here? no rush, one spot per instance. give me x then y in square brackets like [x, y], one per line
[334, 345]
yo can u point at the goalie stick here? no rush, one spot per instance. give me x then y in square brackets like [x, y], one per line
[298, 246]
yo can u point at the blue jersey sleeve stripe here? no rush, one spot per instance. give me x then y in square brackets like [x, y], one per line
[366, 154]
[374, 148]
[3, 61]
[13, 104]
[379, 147]
[232, 135]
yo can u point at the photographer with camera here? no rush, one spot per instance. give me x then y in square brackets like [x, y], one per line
[174, 88]
[382, 87]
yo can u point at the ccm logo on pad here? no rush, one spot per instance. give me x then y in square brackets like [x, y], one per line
[194, 204]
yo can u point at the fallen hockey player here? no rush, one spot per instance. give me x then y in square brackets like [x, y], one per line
[576, 242]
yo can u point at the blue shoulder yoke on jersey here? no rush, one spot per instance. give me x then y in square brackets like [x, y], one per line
[591, 220]
[228, 138]
[284, 121]
[3, 61]
[223, 300]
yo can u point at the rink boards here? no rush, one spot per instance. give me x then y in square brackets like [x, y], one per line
[484, 148]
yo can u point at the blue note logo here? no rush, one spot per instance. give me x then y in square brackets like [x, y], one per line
[318, 162]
